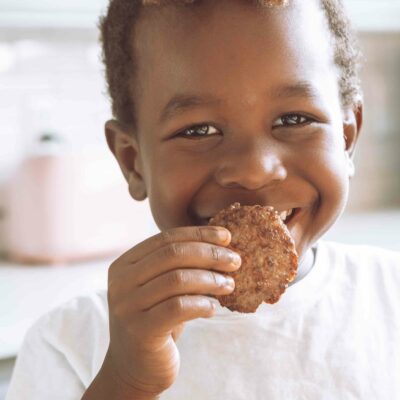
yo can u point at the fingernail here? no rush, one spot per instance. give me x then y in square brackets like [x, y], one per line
[219, 235]
[235, 259]
[223, 235]
[221, 280]
[229, 282]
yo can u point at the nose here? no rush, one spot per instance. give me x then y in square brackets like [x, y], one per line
[251, 166]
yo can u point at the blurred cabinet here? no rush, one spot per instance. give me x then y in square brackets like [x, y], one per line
[376, 183]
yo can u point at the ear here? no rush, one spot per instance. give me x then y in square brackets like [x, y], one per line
[352, 123]
[126, 150]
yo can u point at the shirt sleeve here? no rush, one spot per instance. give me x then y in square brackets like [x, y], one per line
[63, 351]
[42, 371]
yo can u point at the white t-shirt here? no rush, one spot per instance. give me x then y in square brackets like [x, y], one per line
[333, 335]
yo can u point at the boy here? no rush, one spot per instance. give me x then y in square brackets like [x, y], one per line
[217, 102]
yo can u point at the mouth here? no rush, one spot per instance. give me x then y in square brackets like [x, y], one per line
[287, 216]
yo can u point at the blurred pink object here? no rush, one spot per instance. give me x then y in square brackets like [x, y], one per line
[69, 206]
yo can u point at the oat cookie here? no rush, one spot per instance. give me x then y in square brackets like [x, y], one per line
[269, 258]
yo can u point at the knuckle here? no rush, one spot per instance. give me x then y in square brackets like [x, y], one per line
[215, 279]
[174, 250]
[166, 238]
[176, 278]
[178, 305]
[215, 253]
[198, 235]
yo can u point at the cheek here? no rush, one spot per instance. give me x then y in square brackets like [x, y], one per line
[329, 175]
[334, 184]
[324, 167]
[335, 175]
[172, 181]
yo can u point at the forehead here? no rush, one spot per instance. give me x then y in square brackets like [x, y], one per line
[208, 45]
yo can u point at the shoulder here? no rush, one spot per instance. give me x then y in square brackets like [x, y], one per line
[77, 331]
[363, 276]
[363, 266]
[365, 255]
[63, 348]
[90, 310]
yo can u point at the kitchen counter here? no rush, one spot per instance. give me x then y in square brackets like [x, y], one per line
[6, 367]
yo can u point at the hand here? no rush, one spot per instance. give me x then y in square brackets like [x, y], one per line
[153, 289]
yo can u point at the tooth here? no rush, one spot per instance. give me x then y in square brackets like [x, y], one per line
[285, 214]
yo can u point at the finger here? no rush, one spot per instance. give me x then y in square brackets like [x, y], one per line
[166, 316]
[209, 234]
[183, 255]
[177, 331]
[181, 282]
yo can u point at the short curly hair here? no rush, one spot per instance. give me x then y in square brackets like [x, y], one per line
[116, 34]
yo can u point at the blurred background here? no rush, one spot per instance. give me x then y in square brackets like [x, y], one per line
[57, 232]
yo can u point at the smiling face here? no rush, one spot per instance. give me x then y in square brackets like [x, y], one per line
[238, 104]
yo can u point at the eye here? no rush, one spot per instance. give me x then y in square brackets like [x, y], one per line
[198, 131]
[292, 120]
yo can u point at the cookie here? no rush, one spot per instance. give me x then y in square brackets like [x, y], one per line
[269, 258]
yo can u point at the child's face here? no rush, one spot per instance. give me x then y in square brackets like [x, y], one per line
[271, 124]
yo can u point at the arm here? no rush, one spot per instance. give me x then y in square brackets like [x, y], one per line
[108, 386]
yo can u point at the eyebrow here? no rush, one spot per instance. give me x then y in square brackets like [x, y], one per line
[182, 102]
[297, 90]
[185, 101]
